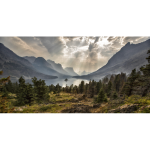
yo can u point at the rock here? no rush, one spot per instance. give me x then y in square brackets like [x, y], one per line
[96, 105]
[80, 108]
[125, 109]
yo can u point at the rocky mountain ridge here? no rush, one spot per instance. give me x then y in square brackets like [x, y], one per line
[16, 66]
[129, 57]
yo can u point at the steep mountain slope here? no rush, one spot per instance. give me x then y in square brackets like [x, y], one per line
[31, 59]
[57, 67]
[43, 66]
[71, 71]
[84, 73]
[129, 57]
[15, 66]
[7, 53]
[40, 61]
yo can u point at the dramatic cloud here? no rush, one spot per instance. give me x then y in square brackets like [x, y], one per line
[81, 53]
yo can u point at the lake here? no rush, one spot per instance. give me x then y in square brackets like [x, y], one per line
[61, 81]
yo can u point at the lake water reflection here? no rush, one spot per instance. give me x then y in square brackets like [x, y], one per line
[61, 81]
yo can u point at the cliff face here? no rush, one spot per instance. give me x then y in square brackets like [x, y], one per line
[57, 67]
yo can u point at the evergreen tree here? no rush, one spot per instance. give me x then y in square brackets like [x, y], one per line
[115, 96]
[86, 89]
[81, 87]
[29, 94]
[58, 88]
[130, 82]
[146, 69]
[4, 103]
[21, 98]
[101, 96]
[109, 88]
[98, 86]
[41, 91]
[4, 91]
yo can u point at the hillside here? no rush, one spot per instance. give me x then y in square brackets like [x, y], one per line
[31, 59]
[16, 66]
[57, 67]
[129, 57]
[41, 65]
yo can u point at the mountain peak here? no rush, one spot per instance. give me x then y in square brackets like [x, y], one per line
[1, 44]
[71, 71]
[40, 60]
[128, 44]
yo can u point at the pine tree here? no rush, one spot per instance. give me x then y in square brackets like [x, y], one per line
[81, 87]
[21, 98]
[9, 87]
[115, 96]
[4, 91]
[4, 103]
[101, 96]
[130, 82]
[146, 69]
[29, 94]
[58, 89]
[109, 89]
[41, 91]
[98, 86]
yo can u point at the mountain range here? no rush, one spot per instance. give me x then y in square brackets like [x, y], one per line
[43, 66]
[16, 66]
[129, 57]
[57, 67]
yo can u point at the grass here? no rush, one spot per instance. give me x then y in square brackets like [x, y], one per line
[57, 103]
[53, 107]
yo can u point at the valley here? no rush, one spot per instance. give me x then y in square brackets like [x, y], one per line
[35, 85]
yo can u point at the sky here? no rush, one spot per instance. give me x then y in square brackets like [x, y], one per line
[83, 53]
